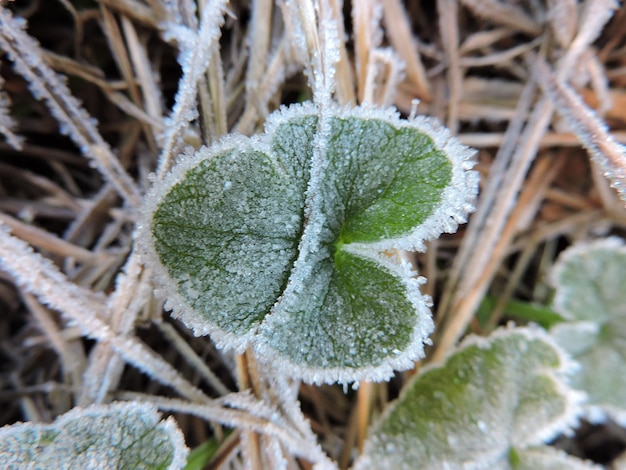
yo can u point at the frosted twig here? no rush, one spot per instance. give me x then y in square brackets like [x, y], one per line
[249, 448]
[194, 57]
[26, 56]
[593, 134]
[216, 88]
[40, 277]
[100, 202]
[274, 456]
[379, 70]
[306, 39]
[175, 12]
[566, 226]
[120, 55]
[127, 106]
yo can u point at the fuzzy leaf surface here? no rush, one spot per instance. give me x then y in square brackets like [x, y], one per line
[121, 435]
[589, 281]
[278, 241]
[491, 405]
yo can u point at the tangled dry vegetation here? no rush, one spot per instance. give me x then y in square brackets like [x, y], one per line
[536, 86]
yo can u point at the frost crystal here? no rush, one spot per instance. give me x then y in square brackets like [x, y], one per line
[282, 241]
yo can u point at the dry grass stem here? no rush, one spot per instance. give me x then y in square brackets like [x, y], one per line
[448, 29]
[136, 11]
[27, 58]
[398, 30]
[344, 75]
[609, 155]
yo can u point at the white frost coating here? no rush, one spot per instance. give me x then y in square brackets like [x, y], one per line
[98, 436]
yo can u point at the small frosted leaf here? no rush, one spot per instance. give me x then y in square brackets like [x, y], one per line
[277, 241]
[491, 400]
[121, 435]
[589, 281]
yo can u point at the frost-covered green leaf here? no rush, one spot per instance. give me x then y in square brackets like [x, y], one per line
[491, 405]
[280, 241]
[121, 436]
[589, 281]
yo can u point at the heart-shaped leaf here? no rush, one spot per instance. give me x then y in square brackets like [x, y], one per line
[279, 241]
[589, 281]
[491, 405]
[121, 435]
